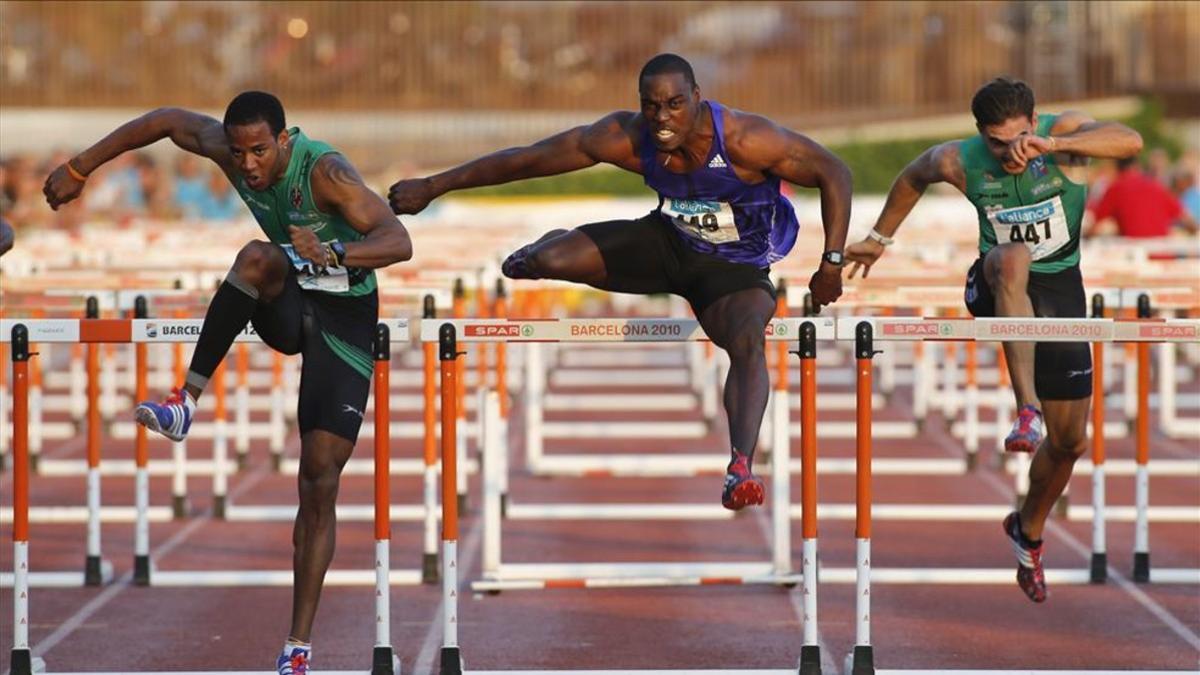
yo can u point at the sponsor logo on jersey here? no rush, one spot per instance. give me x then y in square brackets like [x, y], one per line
[1038, 167]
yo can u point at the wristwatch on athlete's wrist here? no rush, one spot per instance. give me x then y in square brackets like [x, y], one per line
[337, 250]
[834, 258]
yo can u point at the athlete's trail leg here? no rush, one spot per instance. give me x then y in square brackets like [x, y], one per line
[737, 323]
[1050, 470]
[322, 456]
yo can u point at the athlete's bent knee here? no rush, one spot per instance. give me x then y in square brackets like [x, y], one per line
[260, 263]
[746, 344]
[548, 262]
[1007, 264]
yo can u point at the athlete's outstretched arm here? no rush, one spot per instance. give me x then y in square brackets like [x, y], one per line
[938, 164]
[767, 147]
[337, 188]
[571, 150]
[191, 131]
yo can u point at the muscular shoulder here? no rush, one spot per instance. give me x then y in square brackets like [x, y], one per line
[616, 129]
[947, 157]
[333, 178]
[614, 137]
[754, 141]
[942, 163]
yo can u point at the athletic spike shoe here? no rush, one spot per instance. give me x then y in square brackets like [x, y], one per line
[516, 265]
[1027, 432]
[294, 659]
[171, 418]
[742, 488]
[1031, 576]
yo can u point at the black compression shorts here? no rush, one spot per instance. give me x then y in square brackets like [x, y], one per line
[1062, 371]
[647, 256]
[335, 334]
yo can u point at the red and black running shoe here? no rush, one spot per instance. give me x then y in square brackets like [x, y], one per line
[1031, 576]
[742, 488]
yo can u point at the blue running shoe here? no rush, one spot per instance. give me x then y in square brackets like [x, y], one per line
[171, 418]
[1028, 431]
[294, 659]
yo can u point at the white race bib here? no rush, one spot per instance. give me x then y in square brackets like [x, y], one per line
[1041, 227]
[708, 221]
[313, 277]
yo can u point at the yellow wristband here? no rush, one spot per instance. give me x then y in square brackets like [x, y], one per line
[74, 173]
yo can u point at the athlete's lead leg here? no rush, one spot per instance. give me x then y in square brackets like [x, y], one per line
[567, 255]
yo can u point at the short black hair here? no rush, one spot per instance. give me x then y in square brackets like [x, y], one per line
[667, 64]
[249, 107]
[1002, 99]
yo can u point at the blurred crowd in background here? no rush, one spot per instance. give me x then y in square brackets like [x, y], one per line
[1147, 197]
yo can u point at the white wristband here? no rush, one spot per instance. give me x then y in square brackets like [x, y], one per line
[875, 236]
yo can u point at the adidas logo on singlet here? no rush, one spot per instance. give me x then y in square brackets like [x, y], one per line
[717, 162]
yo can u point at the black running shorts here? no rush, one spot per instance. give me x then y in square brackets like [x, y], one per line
[647, 256]
[1062, 371]
[335, 334]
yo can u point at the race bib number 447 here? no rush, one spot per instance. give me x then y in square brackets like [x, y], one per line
[313, 277]
[1041, 227]
[711, 221]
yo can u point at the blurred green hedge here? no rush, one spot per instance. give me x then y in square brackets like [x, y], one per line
[875, 165]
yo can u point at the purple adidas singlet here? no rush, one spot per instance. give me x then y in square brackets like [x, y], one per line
[716, 212]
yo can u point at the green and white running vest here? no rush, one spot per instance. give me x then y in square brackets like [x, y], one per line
[289, 201]
[1040, 207]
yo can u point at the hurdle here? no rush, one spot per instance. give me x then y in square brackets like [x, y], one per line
[97, 571]
[536, 333]
[446, 335]
[384, 660]
[501, 577]
[1140, 332]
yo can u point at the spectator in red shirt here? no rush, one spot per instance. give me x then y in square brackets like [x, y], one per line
[1140, 205]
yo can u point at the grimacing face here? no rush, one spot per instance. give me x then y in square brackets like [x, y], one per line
[997, 138]
[258, 155]
[671, 107]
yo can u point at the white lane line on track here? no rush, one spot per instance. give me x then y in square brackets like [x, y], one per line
[95, 604]
[1085, 552]
[430, 646]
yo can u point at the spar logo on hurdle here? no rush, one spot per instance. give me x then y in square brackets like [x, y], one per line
[493, 330]
[922, 329]
[1167, 331]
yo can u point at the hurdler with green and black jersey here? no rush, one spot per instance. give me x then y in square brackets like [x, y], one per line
[1024, 173]
[310, 290]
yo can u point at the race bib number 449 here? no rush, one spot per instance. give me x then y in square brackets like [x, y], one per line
[1041, 227]
[710, 221]
[313, 277]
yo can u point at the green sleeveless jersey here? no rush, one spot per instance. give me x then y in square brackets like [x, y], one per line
[1040, 208]
[289, 201]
